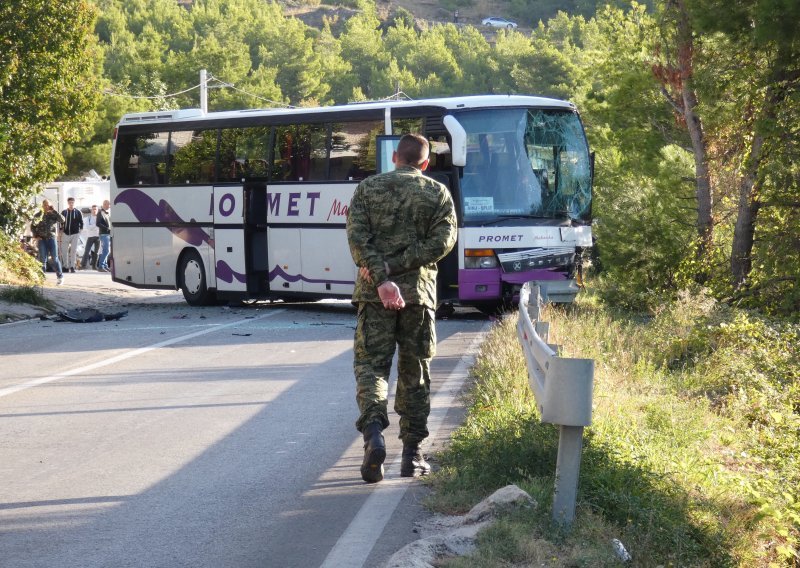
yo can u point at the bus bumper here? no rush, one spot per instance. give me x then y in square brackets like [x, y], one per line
[487, 284]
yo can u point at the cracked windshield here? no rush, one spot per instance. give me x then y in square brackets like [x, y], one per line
[525, 163]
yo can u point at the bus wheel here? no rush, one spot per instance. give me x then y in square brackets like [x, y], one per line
[192, 277]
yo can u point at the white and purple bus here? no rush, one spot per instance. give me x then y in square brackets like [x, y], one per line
[252, 204]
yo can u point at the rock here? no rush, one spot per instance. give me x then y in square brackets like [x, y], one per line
[503, 499]
[455, 536]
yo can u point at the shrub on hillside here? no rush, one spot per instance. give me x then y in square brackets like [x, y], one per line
[17, 266]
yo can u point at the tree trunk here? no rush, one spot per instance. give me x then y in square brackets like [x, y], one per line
[705, 200]
[749, 202]
[747, 213]
[687, 109]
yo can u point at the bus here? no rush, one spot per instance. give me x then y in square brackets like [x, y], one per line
[252, 204]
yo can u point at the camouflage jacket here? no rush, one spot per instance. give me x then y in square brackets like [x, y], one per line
[45, 225]
[399, 225]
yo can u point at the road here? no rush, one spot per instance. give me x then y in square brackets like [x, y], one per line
[203, 437]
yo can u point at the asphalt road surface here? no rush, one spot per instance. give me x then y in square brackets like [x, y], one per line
[203, 437]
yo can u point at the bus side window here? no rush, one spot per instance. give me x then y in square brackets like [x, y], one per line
[300, 153]
[191, 156]
[152, 162]
[350, 150]
[126, 159]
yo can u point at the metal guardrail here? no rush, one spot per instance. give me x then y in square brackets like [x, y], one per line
[563, 391]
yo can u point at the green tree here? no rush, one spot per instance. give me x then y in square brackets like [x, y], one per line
[757, 110]
[675, 69]
[46, 93]
[363, 47]
[643, 202]
[336, 70]
[472, 53]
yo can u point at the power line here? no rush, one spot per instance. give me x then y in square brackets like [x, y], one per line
[113, 94]
[222, 84]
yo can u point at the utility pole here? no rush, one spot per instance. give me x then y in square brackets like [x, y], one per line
[203, 91]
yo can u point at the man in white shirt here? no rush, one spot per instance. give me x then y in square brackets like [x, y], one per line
[92, 234]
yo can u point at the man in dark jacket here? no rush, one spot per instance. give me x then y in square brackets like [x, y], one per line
[70, 236]
[45, 227]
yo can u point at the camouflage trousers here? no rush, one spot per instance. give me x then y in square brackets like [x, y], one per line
[412, 331]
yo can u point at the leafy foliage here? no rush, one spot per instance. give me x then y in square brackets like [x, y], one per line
[46, 91]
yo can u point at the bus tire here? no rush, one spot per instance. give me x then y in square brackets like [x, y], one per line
[192, 278]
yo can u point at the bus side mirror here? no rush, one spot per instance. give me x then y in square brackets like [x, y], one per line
[458, 137]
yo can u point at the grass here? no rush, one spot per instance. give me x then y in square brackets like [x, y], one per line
[691, 458]
[24, 295]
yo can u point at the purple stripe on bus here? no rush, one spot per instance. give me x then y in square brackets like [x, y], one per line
[146, 210]
[227, 274]
[277, 272]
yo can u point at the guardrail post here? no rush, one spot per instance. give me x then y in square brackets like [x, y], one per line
[568, 466]
[563, 391]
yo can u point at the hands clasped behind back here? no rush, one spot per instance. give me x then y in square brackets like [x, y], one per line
[388, 292]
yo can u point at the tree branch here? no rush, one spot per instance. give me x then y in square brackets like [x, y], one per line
[671, 100]
[780, 204]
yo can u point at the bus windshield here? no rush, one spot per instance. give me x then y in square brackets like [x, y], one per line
[525, 163]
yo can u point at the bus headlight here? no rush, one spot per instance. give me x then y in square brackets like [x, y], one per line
[480, 258]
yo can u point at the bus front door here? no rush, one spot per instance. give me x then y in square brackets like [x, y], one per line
[229, 241]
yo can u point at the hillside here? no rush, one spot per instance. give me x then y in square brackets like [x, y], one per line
[425, 12]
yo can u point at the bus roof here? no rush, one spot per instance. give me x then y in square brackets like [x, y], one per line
[447, 103]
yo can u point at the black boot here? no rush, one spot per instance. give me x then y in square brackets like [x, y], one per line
[413, 463]
[374, 453]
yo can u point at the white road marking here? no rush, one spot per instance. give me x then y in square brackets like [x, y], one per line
[357, 541]
[128, 354]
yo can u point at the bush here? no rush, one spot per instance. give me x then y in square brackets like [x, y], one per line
[17, 265]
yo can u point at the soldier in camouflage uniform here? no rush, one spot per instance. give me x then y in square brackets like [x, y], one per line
[399, 225]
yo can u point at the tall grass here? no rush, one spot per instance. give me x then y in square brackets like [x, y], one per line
[24, 295]
[692, 456]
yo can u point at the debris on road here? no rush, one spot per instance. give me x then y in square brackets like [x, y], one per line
[88, 315]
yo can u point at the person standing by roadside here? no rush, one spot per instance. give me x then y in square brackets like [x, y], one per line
[104, 228]
[399, 225]
[45, 227]
[92, 248]
[73, 225]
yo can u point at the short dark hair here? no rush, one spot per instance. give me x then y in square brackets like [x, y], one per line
[413, 149]
[70, 199]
